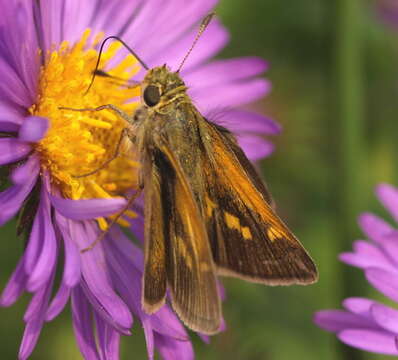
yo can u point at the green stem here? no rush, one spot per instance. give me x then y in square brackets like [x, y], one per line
[349, 183]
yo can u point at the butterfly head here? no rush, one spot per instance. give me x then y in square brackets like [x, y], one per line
[161, 85]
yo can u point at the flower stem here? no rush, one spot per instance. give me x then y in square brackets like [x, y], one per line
[350, 150]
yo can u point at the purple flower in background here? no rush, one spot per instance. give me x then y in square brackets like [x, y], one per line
[48, 51]
[388, 11]
[366, 324]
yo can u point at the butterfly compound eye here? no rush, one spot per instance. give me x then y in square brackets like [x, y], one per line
[151, 95]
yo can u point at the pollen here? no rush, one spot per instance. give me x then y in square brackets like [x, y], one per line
[81, 142]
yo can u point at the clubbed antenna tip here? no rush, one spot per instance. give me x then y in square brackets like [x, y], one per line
[203, 25]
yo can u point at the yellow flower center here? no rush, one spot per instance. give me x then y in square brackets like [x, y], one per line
[80, 142]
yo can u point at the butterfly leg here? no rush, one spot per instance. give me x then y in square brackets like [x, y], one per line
[114, 220]
[114, 156]
[119, 112]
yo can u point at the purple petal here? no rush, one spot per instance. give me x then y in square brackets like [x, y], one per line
[239, 121]
[22, 173]
[34, 317]
[12, 88]
[19, 45]
[72, 267]
[12, 150]
[223, 325]
[72, 263]
[9, 114]
[87, 209]
[171, 349]
[391, 236]
[35, 242]
[127, 281]
[58, 302]
[386, 317]
[374, 227]
[230, 95]
[65, 20]
[137, 224]
[112, 16]
[127, 278]
[10, 127]
[223, 72]
[30, 338]
[130, 251]
[149, 336]
[338, 320]
[255, 147]
[11, 199]
[384, 281]
[359, 306]
[15, 286]
[96, 278]
[165, 322]
[390, 247]
[380, 342]
[81, 315]
[39, 302]
[108, 339]
[388, 195]
[212, 41]
[367, 255]
[162, 322]
[51, 17]
[113, 317]
[170, 22]
[33, 129]
[44, 266]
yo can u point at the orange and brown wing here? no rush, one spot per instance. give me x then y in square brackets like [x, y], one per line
[154, 279]
[248, 239]
[189, 266]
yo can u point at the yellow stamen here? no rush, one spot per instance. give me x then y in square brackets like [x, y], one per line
[78, 143]
[103, 225]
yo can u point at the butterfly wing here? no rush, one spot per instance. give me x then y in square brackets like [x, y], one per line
[248, 239]
[154, 279]
[189, 265]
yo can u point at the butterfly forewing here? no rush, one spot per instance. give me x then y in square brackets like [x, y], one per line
[248, 239]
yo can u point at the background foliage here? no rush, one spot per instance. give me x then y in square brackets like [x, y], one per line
[334, 68]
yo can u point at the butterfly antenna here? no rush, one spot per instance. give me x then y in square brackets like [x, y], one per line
[96, 71]
[204, 24]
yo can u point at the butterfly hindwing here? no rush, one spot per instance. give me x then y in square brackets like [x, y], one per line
[247, 237]
[154, 279]
[190, 269]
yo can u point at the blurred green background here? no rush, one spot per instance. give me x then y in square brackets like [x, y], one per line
[334, 69]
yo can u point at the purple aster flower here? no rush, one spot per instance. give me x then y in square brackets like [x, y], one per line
[367, 324]
[48, 51]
